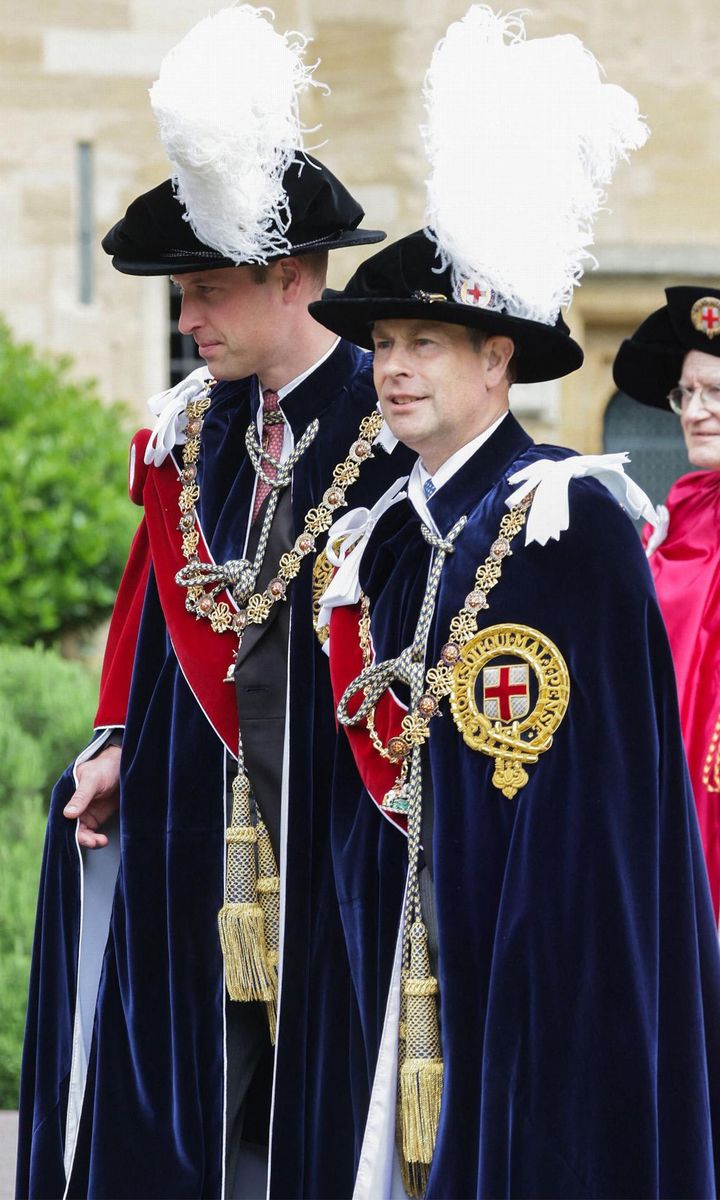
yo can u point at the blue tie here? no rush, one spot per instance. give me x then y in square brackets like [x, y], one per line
[428, 488]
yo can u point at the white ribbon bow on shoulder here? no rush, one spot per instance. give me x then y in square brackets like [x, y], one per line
[169, 408]
[352, 532]
[549, 513]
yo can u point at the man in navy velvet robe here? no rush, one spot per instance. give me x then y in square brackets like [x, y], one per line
[573, 952]
[141, 1077]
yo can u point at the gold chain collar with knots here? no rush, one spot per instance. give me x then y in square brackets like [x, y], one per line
[512, 744]
[420, 1057]
[464, 625]
[256, 609]
[249, 920]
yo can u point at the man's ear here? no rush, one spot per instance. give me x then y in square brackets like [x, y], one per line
[290, 276]
[499, 351]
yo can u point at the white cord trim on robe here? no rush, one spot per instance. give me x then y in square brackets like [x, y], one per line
[661, 530]
[282, 866]
[354, 528]
[549, 513]
[169, 408]
[97, 876]
[375, 1169]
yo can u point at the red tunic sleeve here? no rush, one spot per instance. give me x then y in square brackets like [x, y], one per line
[125, 623]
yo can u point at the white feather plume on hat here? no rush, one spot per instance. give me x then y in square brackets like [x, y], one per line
[522, 138]
[226, 101]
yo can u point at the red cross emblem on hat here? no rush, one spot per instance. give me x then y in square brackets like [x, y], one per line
[506, 692]
[477, 294]
[705, 316]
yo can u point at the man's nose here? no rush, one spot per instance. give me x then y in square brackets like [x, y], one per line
[695, 406]
[189, 316]
[397, 361]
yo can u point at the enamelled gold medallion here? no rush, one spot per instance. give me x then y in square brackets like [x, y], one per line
[705, 316]
[519, 712]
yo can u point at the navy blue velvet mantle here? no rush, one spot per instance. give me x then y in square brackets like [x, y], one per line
[152, 1119]
[578, 958]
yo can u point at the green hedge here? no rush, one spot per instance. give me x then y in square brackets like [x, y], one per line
[67, 519]
[47, 705]
[22, 829]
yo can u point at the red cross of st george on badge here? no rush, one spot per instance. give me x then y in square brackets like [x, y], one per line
[506, 728]
[476, 294]
[506, 692]
[705, 316]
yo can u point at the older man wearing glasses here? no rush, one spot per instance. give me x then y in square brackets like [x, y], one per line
[673, 361]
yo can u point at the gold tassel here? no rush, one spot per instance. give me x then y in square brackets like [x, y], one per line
[268, 888]
[412, 1181]
[242, 937]
[241, 920]
[421, 1074]
[414, 1177]
[421, 1084]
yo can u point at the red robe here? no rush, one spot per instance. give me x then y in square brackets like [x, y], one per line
[686, 568]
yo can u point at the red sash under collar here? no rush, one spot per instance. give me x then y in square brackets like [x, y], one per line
[204, 656]
[346, 663]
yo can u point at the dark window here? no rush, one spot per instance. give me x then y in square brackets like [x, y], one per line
[654, 440]
[184, 356]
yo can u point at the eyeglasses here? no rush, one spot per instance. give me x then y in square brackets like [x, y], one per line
[679, 398]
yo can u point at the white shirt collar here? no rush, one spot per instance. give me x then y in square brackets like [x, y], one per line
[420, 475]
[288, 439]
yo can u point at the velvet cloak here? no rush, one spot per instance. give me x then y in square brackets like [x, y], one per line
[141, 1092]
[577, 951]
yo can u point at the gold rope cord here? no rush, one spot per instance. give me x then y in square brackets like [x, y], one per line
[241, 919]
[421, 1074]
[249, 920]
[420, 1062]
[268, 890]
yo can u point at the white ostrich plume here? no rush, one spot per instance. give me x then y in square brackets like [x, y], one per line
[226, 101]
[522, 139]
